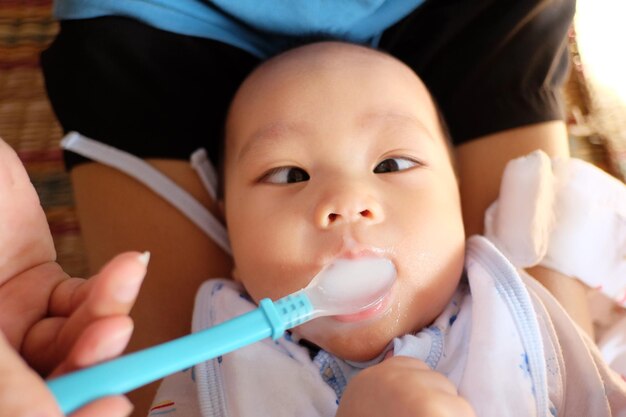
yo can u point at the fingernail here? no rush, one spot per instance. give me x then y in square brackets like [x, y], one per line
[144, 258]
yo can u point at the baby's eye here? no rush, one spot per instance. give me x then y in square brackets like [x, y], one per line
[285, 175]
[395, 164]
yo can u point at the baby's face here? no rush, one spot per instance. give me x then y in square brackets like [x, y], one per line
[336, 152]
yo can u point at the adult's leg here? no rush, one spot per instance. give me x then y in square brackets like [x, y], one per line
[493, 67]
[490, 65]
[159, 96]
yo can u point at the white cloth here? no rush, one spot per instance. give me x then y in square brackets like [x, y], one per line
[570, 216]
[565, 214]
[520, 221]
[503, 341]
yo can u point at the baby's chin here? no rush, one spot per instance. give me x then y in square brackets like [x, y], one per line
[363, 353]
[348, 342]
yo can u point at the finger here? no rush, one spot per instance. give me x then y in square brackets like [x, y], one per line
[24, 298]
[106, 407]
[438, 381]
[16, 380]
[444, 405]
[406, 362]
[101, 341]
[110, 292]
[417, 368]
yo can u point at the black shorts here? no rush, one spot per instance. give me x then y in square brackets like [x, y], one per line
[490, 64]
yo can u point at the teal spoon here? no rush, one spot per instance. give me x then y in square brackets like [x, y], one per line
[343, 287]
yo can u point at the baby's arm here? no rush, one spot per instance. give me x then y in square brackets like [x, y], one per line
[402, 387]
[55, 322]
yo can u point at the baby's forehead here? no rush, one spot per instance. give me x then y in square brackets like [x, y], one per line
[326, 57]
[321, 75]
[306, 65]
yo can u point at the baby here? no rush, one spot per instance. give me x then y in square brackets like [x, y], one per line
[337, 151]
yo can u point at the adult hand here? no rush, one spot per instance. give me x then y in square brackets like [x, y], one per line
[57, 323]
[60, 323]
[402, 387]
[23, 392]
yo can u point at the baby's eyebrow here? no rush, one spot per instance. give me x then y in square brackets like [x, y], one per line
[273, 133]
[276, 133]
[382, 119]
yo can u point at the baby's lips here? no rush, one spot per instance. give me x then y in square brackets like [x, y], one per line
[356, 250]
[374, 310]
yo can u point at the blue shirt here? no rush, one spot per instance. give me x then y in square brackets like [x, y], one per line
[260, 27]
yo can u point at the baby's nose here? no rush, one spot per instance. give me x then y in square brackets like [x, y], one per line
[348, 208]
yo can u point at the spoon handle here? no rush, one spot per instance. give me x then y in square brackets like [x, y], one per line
[129, 372]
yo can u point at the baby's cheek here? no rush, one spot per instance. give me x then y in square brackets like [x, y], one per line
[258, 288]
[271, 278]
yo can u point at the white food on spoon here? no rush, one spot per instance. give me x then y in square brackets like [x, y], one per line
[349, 286]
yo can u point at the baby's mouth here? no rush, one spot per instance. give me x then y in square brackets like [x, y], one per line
[352, 249]
[371, 312]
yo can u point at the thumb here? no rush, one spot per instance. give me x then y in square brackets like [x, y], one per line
[22, 391]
